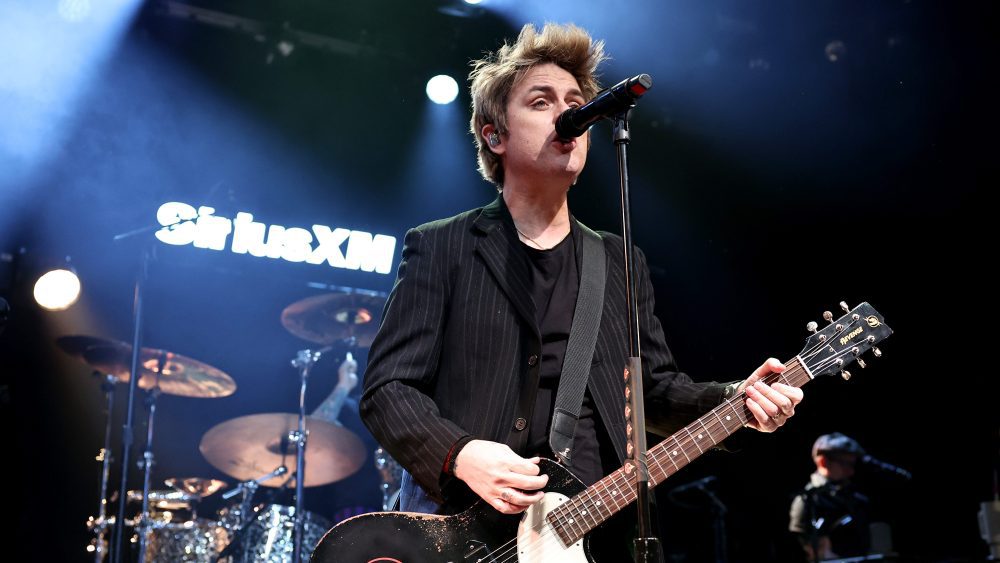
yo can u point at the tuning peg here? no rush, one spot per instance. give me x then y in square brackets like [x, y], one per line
[811, 326]
[877, 352]
[861, 362]
[828, 316]
[843, 305]
[845, 374]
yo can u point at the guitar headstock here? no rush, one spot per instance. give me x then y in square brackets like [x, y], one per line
[831, 349]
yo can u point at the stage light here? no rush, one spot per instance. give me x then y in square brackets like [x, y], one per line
[57, 290]
[473, 2]
[442, 89]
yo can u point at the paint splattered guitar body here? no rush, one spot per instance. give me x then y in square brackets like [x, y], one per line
[480, 534]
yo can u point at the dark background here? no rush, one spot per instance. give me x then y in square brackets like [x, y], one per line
[790, 155]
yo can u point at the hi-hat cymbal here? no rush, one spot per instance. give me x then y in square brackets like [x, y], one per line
[350, 318]
[196, 485]
[179, 375]
[78, 346]
[249, 447]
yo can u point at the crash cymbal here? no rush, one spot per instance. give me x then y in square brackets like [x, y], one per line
[249, 447]
[196, 485]
[350, 318]
[183, 376]
[180, 375]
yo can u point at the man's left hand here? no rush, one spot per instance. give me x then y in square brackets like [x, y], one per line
[772, 404]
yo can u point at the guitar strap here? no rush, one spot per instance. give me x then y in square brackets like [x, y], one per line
[580, 348]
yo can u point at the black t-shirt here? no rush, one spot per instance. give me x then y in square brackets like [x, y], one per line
[555, 284]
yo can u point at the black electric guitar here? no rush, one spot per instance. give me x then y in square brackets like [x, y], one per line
[556, 528]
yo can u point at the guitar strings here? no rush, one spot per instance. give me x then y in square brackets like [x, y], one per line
[619, 479]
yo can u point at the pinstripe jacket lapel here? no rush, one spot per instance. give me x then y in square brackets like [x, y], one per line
[508, 264]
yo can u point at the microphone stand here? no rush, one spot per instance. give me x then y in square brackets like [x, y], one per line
[718, 511]
[647, 545]
[133, 383]
[809, 498]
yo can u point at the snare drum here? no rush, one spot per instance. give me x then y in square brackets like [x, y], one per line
[270, 534]
[198, 541]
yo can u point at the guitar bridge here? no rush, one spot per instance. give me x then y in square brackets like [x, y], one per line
[478, 552]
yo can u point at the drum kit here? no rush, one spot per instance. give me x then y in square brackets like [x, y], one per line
[267, 449]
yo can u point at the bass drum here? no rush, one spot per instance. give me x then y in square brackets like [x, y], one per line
[198, 541]
[270, 534]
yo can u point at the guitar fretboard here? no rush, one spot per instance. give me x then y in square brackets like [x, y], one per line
[587, 510]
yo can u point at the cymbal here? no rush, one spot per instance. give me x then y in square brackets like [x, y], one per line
[249, 447]
[167, 500]
[79, 345]
[350, 318]
[196, 485]
[180, 375]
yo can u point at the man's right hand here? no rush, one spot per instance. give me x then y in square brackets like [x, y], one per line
[499, 476]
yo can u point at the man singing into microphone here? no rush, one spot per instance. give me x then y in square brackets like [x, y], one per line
[463, 375]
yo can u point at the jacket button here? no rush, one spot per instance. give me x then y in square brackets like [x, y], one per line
[532, 360]
[520, 424]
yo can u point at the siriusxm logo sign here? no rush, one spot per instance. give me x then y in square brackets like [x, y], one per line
[340, 248]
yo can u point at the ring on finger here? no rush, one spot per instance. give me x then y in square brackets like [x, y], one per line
[505, 496]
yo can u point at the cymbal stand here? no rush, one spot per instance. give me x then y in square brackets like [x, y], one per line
[147, 459]
[304, 361]
[99, 525]
[133, 384]
[248, 489]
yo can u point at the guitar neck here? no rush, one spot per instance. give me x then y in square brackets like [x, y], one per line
[587, 510]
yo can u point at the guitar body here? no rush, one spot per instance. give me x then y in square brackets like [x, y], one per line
[478, 534]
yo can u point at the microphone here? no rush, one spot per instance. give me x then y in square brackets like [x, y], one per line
[608, 102]
[699, 484]
[887, 467]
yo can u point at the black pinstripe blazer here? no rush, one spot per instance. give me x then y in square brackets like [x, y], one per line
[459, 341]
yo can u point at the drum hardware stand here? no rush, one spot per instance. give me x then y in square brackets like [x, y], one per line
[382, 465]
[248, 489]
[304, 361]
[147, 462]
[99, 525]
